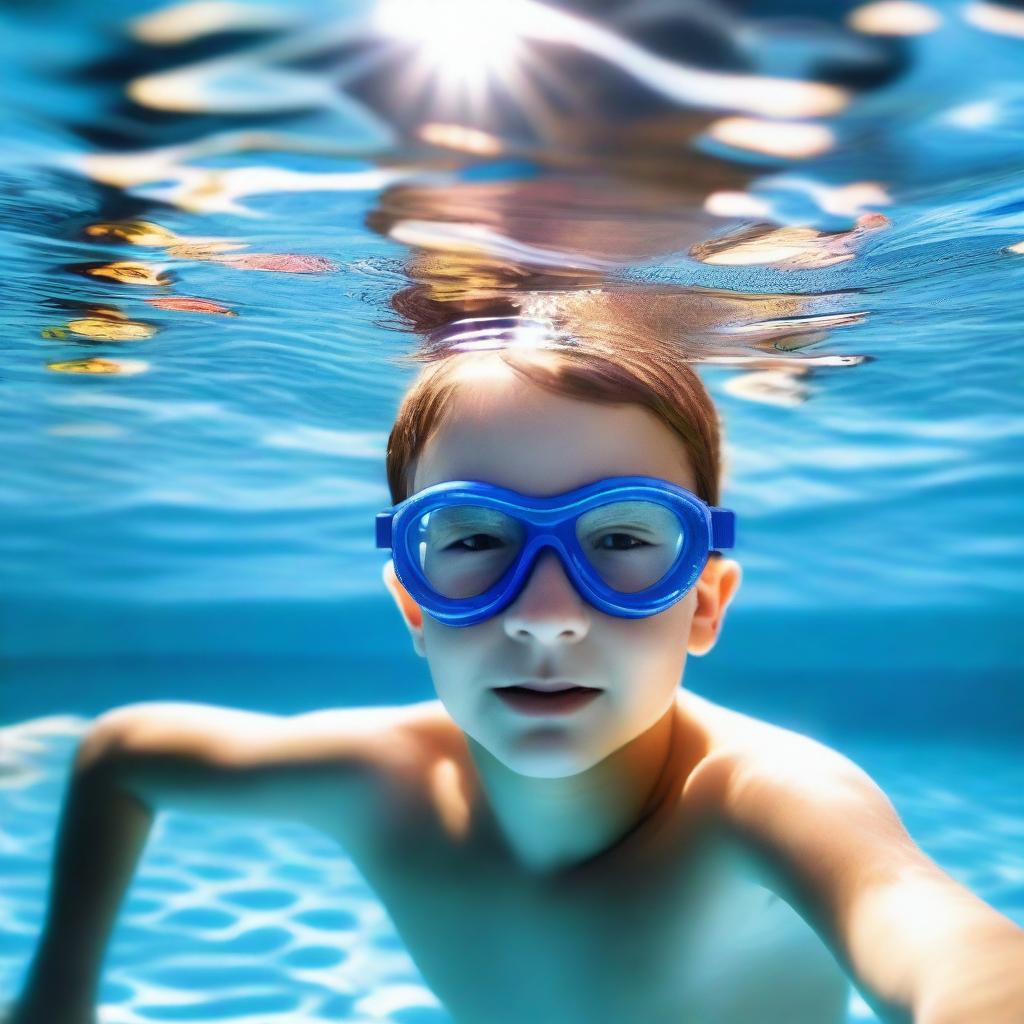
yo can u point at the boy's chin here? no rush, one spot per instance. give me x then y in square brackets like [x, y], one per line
[546, 757]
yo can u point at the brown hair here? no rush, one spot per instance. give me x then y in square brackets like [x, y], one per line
[611, 369]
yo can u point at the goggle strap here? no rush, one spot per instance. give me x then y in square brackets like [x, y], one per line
[384, 521]
[723, 527]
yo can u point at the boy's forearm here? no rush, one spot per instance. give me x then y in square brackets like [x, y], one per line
[979, 979]
[102, 831]
[959, 960]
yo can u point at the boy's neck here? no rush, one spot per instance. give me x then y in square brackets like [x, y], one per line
[557, 823]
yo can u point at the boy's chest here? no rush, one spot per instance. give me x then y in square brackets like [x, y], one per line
[655, 938]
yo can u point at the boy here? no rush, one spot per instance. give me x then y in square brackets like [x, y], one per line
[614, 854]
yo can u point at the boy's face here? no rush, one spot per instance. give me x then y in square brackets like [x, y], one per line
[512, 433]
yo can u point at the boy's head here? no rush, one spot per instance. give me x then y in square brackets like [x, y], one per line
[541, 422]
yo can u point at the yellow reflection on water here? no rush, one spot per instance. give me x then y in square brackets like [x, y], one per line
[136, 232]
[123, 367]
[466, 140]
[894, 18]
[997, 18]
[788, 248]
[146, 233]
[111, 330]
[183, 247]
[850, 200]
[738, 204]
[184, 22]
[796, 140]
[200, 249]
[127, 272]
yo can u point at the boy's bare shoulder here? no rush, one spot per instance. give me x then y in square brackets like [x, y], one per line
[394, 746]
[756, 770]
[794, 803]
[741, 740]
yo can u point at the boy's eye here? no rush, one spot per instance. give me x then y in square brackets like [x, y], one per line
[618, 544]
[475, 542]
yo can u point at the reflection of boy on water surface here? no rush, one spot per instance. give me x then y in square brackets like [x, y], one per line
[647, 856]
[553, 246]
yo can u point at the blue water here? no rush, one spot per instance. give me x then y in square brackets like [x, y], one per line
[200, 525]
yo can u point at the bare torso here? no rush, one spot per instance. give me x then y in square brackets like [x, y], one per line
[667, 926]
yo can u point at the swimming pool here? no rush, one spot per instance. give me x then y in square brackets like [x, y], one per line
[198, 525]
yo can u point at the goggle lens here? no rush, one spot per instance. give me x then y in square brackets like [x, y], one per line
[631, 544]
[463, 550]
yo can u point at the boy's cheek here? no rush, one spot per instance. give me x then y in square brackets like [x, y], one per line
[664, 634]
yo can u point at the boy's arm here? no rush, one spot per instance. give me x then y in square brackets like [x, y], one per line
[101, 833]
[921, 948]
[140, 758]
[206, 758]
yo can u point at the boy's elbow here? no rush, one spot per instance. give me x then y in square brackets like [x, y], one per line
[103, 739]
[127, 745]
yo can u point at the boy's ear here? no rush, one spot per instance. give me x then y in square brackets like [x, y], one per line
[716, 586]
[411, 611]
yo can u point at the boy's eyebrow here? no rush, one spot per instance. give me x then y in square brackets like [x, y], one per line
[455, 515]
[619, 511]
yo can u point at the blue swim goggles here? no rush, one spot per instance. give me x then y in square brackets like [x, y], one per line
[632, 545]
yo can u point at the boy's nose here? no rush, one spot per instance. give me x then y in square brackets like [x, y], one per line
[548, 608]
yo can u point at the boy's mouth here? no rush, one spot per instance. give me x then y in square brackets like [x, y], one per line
[548, 686]
[545, 699]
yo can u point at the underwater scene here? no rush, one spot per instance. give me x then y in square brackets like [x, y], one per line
[232, 234]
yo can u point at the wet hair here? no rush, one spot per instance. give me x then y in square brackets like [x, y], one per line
[599, 361]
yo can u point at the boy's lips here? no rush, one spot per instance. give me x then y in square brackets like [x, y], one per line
[547, 685]
[556, 698]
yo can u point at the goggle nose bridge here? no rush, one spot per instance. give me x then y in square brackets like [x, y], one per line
[526, 561]
[535, 544]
